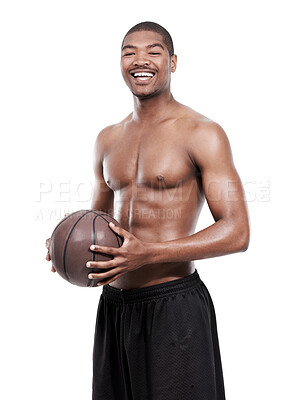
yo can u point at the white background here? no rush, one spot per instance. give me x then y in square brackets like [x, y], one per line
[240, 63]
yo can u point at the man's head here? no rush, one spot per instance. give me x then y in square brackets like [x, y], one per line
[153, 27]
[147, 59]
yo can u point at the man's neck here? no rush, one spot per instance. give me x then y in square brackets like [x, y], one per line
[154, 109]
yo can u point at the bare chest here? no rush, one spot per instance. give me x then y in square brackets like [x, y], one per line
[153, 159]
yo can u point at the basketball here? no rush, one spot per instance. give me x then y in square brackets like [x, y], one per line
[70, 242]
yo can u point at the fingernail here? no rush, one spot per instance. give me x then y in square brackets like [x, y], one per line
[90, 276]
[112, 224]
[88, 265]
[92, 247]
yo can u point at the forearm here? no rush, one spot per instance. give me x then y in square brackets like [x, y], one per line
[103, 203]
[219, 239]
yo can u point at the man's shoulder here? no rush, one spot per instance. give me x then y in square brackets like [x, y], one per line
[196, 125]
[108, 132]
[205, 140]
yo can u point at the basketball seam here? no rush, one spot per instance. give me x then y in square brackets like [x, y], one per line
[64, 219]
[99, 215]
[116, 234]
[90, 282]
[66, 244]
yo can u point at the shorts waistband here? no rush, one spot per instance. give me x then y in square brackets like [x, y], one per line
[152, 292]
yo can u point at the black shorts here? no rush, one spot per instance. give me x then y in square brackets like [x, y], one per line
[157, 343]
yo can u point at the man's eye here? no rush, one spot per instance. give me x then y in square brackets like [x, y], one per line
[128, 54]
[155, 54]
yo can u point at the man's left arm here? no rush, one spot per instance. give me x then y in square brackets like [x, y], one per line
[210, 150]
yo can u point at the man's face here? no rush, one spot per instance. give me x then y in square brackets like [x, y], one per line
[145, 63]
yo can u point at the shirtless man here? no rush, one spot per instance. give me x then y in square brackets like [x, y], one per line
[156, 335]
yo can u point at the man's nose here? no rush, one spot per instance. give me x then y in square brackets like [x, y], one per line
[141, 60]
[140, 63]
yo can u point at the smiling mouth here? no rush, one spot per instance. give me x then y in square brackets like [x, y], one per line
[143, 76]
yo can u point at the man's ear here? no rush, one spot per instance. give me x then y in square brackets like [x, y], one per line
[173, 62]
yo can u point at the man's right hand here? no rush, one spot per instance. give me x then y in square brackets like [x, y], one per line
[48, 258]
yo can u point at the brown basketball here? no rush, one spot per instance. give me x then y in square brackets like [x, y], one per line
[70, 242]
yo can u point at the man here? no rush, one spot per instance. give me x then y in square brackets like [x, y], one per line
[156, 335]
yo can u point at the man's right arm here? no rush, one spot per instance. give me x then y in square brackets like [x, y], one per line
[103, 196]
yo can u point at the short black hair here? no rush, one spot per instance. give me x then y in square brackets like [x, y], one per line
[153, 27]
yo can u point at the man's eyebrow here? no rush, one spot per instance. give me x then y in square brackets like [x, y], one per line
[130, 46]
[154, 45]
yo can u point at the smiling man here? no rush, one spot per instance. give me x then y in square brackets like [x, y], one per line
[156, 335]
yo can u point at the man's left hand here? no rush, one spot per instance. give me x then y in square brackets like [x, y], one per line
[130, 256]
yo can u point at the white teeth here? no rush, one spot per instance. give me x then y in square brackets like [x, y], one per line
[143, 74]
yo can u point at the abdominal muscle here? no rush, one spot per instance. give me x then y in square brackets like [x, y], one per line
[153, 274]
[154, 223]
